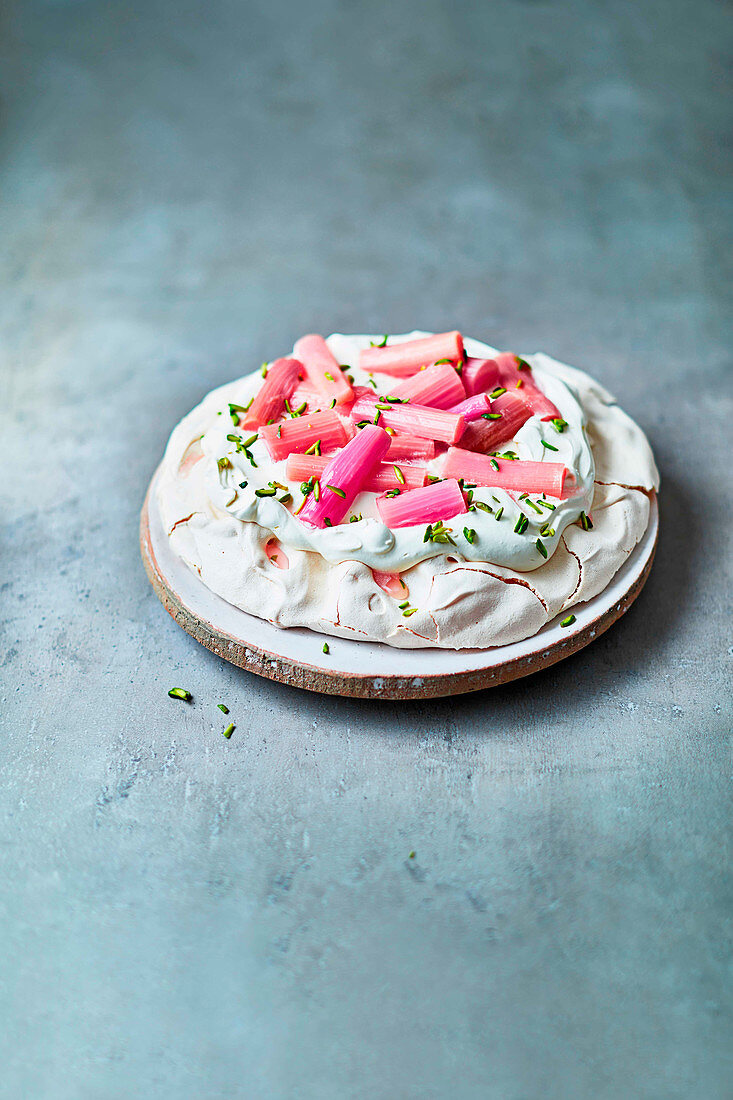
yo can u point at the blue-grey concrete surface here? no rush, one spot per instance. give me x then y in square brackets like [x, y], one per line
[186, 187]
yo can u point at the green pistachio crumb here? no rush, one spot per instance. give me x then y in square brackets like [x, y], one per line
[181, 693]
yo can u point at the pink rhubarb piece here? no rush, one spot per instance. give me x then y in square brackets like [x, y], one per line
[280, 381]
[479, 375]
[384, 476]
[344, 477]
[322, 369]
[410, 448]
[362, 391]
[392, 584]
[440, 501]
[438, 386]
[515, 374]
[414, 419]
[306, 391]
[402, 360]
[512, 370]
[539, 404]
[276, 554]
[473, 407]
[302, 432]
[487, 435]
[515, 475]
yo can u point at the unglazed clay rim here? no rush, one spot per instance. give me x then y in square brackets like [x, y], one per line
[374, 669]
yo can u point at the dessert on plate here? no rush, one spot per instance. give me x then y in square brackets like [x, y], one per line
[418, 490]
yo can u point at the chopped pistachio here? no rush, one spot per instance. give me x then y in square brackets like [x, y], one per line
[181, 693]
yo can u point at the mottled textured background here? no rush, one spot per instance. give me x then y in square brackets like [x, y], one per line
[187, 187]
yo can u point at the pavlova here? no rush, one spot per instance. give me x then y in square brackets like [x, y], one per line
[416, 490]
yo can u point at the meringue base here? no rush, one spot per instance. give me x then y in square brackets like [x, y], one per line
[362, 669]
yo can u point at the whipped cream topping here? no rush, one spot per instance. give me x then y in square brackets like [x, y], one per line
[368, 540]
